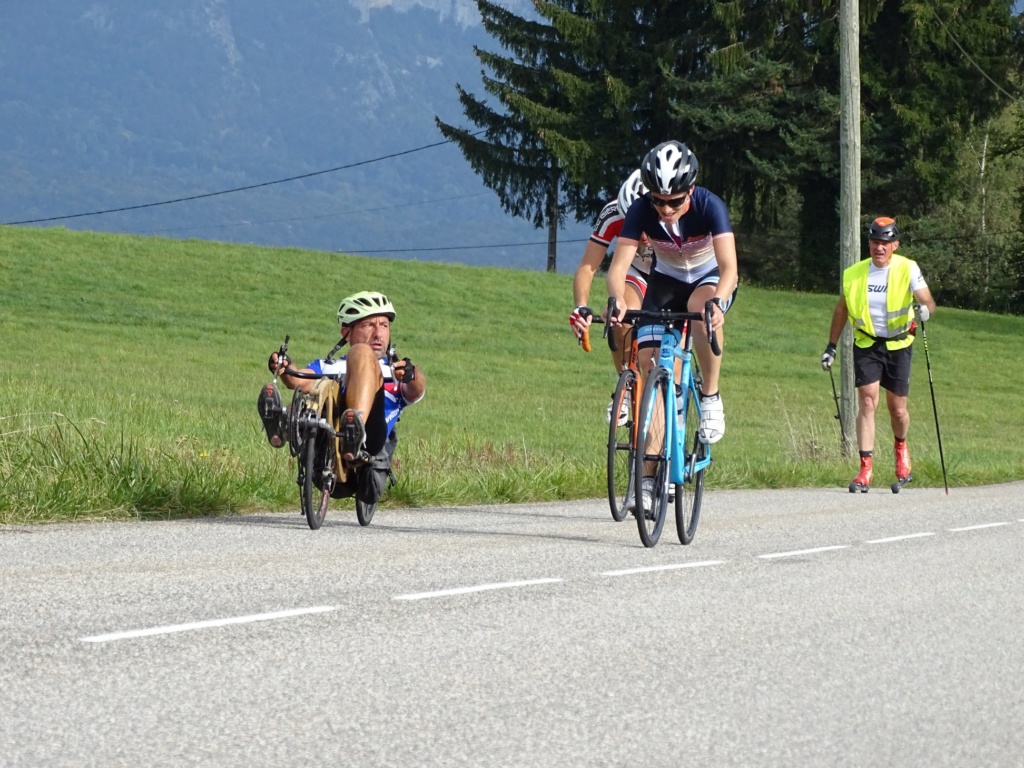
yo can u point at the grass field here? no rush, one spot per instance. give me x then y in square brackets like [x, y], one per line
[132, 367]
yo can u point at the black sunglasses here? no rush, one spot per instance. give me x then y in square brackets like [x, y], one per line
[675, 202]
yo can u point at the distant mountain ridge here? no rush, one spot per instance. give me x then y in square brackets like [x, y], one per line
[112, 106]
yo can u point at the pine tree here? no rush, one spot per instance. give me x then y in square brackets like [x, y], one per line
[752, 87]
[509, 152]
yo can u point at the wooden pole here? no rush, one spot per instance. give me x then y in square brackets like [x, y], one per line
[849, 195]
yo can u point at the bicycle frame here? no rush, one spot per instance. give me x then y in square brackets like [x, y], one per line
[678, 345]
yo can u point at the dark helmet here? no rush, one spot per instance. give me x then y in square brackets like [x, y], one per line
[883, 228]
[669, 168]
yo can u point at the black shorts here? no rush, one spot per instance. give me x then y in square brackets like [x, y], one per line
[878, 364]
[664, 292]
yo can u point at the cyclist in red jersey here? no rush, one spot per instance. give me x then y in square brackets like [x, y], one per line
[694, 247]
[607, 228]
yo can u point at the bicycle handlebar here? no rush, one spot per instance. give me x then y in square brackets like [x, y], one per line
[304, 375]
[668, 317]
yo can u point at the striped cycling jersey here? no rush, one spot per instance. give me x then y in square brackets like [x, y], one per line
[608, 227]
[685, 252]
[394, 400]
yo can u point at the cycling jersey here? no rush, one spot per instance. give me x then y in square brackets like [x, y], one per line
[609, 226]
[685, 251]
[394, 401]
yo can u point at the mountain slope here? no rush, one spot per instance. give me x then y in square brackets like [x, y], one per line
[113, 106]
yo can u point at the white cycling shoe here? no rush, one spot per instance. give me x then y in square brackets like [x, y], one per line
[623, 411]
[712, 419]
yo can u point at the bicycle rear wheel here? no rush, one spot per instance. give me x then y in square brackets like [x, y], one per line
[690, 494]
[649, 457]
[318, 478]
[620, 443]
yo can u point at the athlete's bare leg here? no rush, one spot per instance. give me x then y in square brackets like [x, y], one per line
[710, 363]
[633, 301]
[363, 379]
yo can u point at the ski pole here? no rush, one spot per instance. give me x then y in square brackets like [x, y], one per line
[935, 410]
[835, 397]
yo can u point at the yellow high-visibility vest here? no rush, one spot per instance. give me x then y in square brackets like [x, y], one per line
[899, 300]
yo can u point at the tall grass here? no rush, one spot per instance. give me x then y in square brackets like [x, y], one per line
[132, 367]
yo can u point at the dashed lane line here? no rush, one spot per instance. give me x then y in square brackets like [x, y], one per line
[977, 527]
[674, 566]
[171, 628]
[277, 615]
[798, 552]
[904, 537]
[478, 588]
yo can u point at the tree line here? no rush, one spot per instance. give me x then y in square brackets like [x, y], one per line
[581, 89]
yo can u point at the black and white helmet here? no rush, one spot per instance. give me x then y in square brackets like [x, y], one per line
[364, 304]
[669, 168]
[630, 190]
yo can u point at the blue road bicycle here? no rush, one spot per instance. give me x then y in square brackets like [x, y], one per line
[668, 448]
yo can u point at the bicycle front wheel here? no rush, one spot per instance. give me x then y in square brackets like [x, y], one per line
[318, 477]
[364, 512]
[649, 458]
[621, 432]
[691, 492]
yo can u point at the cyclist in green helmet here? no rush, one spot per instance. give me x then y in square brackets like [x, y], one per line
[376, 385]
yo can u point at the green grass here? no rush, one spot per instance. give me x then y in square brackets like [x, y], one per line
[132, 367]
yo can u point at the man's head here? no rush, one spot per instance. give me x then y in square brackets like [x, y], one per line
[883, 239]
[365, 318]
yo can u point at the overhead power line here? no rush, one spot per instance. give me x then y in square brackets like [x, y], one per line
[970, 58]
[225, 191]
[459, 247]
[308, 218]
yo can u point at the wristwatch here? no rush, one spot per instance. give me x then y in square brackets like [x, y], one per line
[719, 303]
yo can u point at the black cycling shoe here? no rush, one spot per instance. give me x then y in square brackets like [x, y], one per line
[272, 414]
[353, 438]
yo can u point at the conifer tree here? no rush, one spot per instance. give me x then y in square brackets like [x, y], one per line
[509, 151]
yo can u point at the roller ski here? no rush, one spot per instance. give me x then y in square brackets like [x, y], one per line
[900, 482]
[903, 476]
[862, 482]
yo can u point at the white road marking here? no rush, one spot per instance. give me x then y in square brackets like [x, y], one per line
[648, 569]
[480, 588]
[207, 624]
[899, 538]
[798, 552]
[172, 628]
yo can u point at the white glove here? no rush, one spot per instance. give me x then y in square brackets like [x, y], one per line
[922, 312]
[829, 357]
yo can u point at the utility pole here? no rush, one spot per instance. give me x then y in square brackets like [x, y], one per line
[849, 195]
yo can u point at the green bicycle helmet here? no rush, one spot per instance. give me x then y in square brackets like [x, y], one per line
[364, 304]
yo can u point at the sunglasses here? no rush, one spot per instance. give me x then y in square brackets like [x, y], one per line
[675, 202]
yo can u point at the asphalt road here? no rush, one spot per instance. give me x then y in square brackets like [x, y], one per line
[809, 628]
